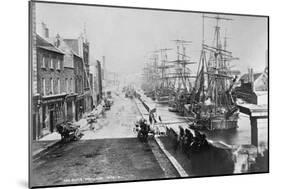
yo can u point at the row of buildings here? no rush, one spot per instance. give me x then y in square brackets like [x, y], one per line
[63, 86]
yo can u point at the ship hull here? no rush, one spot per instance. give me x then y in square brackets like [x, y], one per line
[218, 122]
[162, 100]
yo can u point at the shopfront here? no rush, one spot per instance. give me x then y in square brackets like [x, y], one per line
[52, 113]
[35, 117]
[70, 107]
[80, 109]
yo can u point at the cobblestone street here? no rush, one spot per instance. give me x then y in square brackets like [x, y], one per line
[110, 152]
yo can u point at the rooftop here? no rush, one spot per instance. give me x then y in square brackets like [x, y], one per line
[45, 44]
[246, 79]
[49, 48]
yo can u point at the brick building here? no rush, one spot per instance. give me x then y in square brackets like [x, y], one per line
[80, 46]
[79, 85]
[50, 86]
[70, 99]
[61, 81]
[69, 78]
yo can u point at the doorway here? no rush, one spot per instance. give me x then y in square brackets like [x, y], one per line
[52, 121]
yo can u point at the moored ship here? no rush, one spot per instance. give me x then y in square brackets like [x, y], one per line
[212, 106]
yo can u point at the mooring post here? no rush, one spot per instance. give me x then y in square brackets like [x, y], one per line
[254, 131]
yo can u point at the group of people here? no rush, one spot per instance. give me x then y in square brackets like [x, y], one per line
[69, 131]
[143, 128]
[187, 142]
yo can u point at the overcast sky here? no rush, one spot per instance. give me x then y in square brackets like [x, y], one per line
[126, 36]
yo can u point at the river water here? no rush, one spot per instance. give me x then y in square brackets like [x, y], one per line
[242, 135]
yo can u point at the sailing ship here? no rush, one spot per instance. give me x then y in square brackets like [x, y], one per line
[212, 106]
[164, 87]
[181, 76]
[151, 76]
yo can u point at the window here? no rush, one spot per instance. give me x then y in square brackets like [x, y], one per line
[43, 62]
[51, 64]
[73, 84]
[44, 86]
[55, 64]
[70, 84]
[52, 86]
[58, 85]
[59, 64]
[66, 85]
[46, 62]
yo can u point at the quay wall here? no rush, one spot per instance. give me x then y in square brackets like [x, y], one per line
[233, 157]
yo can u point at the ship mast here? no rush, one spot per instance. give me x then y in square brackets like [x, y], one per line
[163, 67]
[216, 68]
[150, 72]
[181, 63]
[198, 94]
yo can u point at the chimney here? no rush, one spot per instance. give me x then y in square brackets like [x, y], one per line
[251, 77]
[57, 43]
[45, 30]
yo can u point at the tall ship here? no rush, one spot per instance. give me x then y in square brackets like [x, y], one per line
[150, 76]
[181, 77]
[164, 87]
[212, 106]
